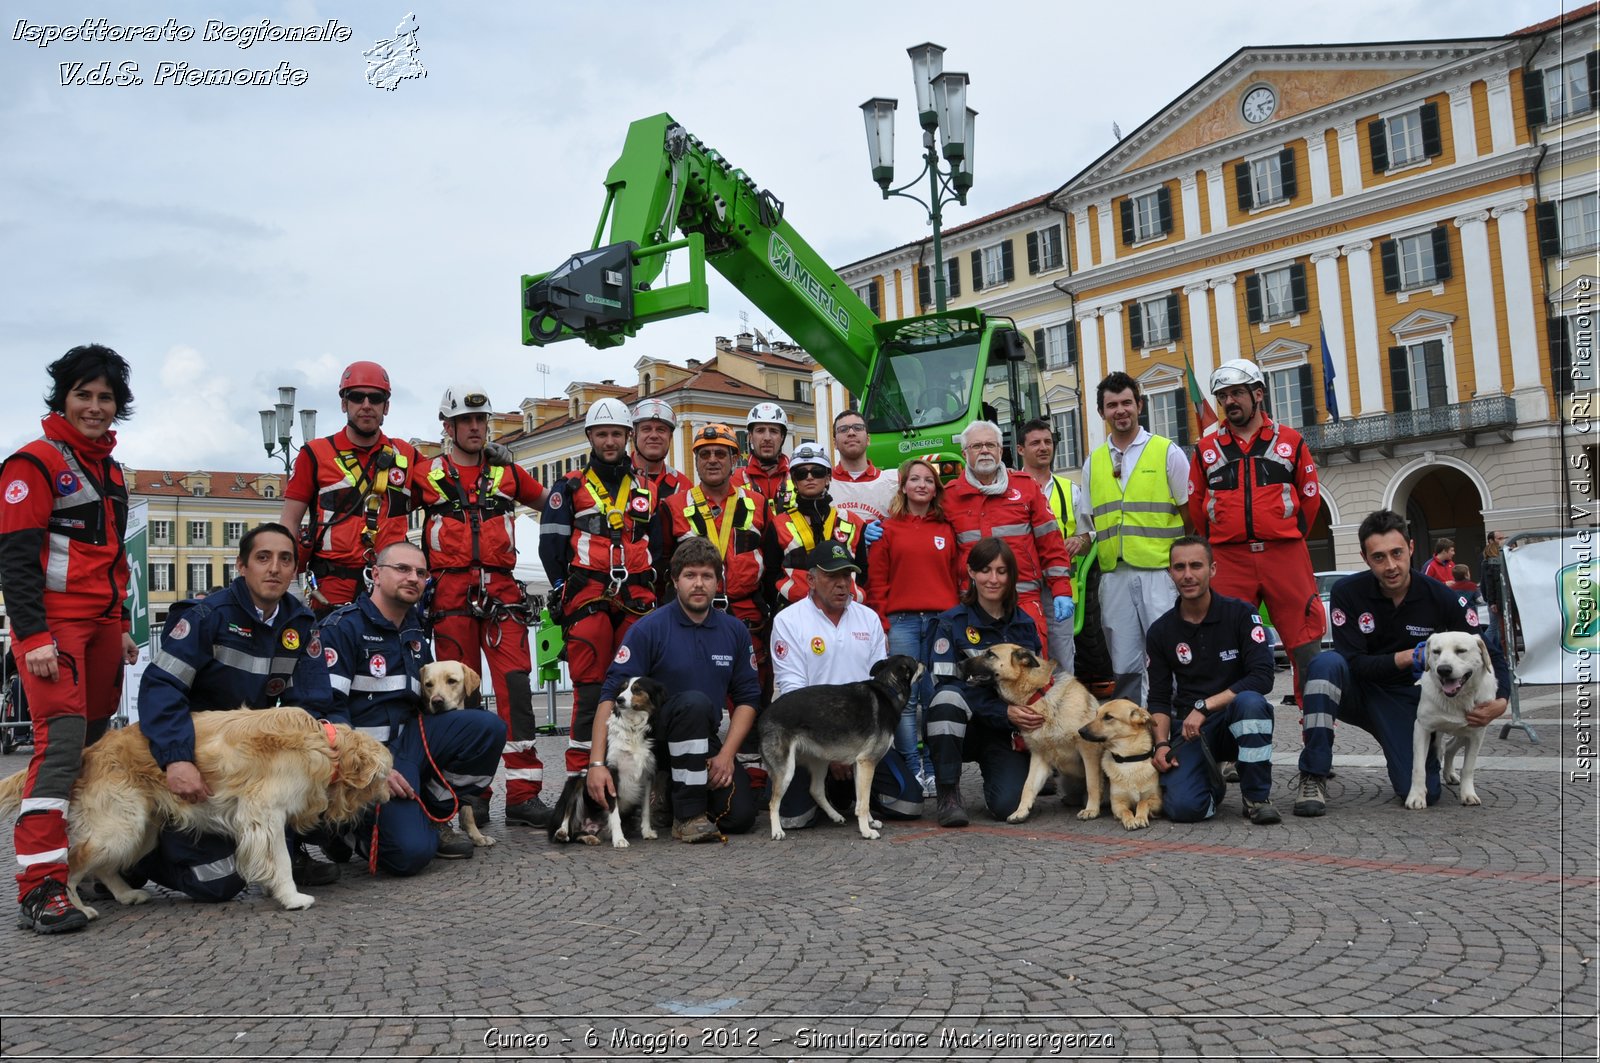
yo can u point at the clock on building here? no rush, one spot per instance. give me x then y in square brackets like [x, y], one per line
[1258, 104]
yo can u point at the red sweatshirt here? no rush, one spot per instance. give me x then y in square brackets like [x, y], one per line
[914, 568]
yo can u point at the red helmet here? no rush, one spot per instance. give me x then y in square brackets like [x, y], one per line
[364, 375]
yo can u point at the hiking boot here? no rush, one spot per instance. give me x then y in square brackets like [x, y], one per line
[530, 813]
[952, 813]
[1261, 813]
[1230, 771]
[336, 848]
[308, 871]
[698, 829]
[1313, 795]
[46, 910]
[453, 845]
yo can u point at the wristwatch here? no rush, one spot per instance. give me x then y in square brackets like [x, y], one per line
[1200, 707]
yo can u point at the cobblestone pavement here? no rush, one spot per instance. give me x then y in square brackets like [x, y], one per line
[1372, 932]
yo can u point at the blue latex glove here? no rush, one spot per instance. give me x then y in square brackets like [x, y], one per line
[1064, 610]
[1419, 659]
[873, 532]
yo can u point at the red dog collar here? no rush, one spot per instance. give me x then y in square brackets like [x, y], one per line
[333, 744]
[1042, 691]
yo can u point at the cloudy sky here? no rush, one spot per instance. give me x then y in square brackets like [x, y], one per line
[229, 240]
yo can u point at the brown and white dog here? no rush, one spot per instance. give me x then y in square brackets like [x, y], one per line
[630, 755]
[446, 686]
[265, 768]
[1126, 759]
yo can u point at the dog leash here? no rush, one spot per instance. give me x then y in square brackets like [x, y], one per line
[1213, 770]
[455, 802]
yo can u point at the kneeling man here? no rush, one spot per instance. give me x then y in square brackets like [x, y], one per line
[1210, 669]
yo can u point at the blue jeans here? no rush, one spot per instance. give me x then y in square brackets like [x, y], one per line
[909, 634]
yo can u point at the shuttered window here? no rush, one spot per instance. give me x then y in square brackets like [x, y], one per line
[1416, 261]
[1044, 249]
[1166, 413]
[1277, 294]
[1155, 322]
[1405, 138]
[1417, 376]
[993, 265]
[1146, 216]
[1290, 397]
[1562, 91]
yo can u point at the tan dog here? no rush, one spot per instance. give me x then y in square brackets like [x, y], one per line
[1024, 678]
[265, 768]
[1126, 759]
[446, 686]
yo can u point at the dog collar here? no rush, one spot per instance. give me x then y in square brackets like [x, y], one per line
[1146, 755]
[333, 744]
[1039, 694]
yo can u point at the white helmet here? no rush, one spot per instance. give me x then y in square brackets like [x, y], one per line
[1233, 373]
[768, 413]
[458, 402]
[608, 411]
[654, 410]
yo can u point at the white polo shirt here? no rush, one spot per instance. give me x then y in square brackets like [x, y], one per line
[808, 649]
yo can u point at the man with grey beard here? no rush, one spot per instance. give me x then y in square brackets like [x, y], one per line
[988, 500]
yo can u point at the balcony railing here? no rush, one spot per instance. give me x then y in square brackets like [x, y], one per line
[1496, 413]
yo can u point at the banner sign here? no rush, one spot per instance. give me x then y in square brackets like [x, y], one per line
[1560, 572]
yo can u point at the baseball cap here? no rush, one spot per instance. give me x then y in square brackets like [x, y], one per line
[832, 557]
[810, 454]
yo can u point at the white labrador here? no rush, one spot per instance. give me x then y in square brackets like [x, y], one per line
[1457, 676]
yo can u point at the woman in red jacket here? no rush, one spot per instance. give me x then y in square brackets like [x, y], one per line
[65, 575]
[913, 575]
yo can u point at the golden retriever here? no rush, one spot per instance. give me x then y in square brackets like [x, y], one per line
[446, 686]
[265, 767]
[1126, 759]
[1458, 674]
[1066, 705]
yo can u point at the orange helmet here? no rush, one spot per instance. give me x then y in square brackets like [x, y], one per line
[716, 435]
[364, 375]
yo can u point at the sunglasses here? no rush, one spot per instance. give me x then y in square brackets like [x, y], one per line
[358, 398]
[807, 472]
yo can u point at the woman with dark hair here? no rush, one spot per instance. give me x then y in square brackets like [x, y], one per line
[65, 576]
[968, 721]
[913, 575]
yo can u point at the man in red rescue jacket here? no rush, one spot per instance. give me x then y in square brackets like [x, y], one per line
[469, 538]
[356, 485]
[768, 468]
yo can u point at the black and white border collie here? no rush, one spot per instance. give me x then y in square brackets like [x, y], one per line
[631, 757]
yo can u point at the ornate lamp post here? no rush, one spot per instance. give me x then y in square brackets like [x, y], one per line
[276, 424]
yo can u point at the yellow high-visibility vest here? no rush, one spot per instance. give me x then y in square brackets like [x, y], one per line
[1138, 523]
[1063, 495]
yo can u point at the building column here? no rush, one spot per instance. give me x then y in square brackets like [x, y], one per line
[676, 457]
[1349, 159]
[1084, 259]
[1116, 356]
[1481, 299]
[1216, 198]
[1369, 359]
[1190, 196]
[1090, 373]
[1502, 123]
[1511, 225]
[821, 399]
[1317, 163]
[1200, 331]
[1330, 295]
[1108, 233]
[1464, 132]
[1223, 289]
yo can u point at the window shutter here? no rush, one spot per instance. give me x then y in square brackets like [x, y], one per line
[1441, 254]
[1432, 142]
[1591, 66]
[1180, 406]
[1308, 396]
[954, 266]
[1008, 261]
[1378, 137]
[1033, 253]
[1174, 318]
[876, 291]
[924, 287]
[1433, 361]
[1400, 379]
[1038, 344]
[1533, 96]
[1126, 208]
[1144, 416]
[1560, 357]
[977, 271]
[1135, 325]
[1072, 343]
[1164, 205]
[1548, 223]
[1286, 173]
[1297, 288]
[1252, 298]
[1389, 252]
[1242, 189]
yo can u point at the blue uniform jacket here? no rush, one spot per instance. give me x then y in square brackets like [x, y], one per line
[714, 658]
[1228, 650]
[217, 653]
[962, 631]
[375, 667]
[1368, 630]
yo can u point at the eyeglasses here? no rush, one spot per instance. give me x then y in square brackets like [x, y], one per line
[848, 429]
[358, 398]
[807, 472]
[406, 571]
[983, 446]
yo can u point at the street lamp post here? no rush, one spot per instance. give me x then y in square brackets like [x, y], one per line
[277, 423]
[941, 109]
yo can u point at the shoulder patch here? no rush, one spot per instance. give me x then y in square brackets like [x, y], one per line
[623, 655]
[941, 645]
[66, 482]
[16, 491]
[291, 639]
[331, 656]
[179, 630]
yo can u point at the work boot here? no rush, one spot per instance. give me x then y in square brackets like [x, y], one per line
[1313, 799]
[453, 845]
[693, 831]
[1261, 813]
[530, 813]
[309, 871]
[336, 848]
[46, 910]
[952, 813]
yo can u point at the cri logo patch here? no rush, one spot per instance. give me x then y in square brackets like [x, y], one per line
[818, 646]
